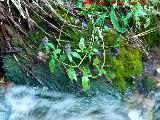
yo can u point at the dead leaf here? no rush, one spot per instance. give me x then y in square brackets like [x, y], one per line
[43, 55]
[158, 83]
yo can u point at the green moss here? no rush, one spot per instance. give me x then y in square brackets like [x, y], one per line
[110, 37]
[132, 61]
[127, 66]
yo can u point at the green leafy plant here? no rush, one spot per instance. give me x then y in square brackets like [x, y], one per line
[97, 30]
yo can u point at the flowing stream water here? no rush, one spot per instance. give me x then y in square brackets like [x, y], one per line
[32, 103]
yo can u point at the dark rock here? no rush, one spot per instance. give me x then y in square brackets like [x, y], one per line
[115, 52]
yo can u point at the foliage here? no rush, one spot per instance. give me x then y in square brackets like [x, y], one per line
[152, 39]
[88, 40]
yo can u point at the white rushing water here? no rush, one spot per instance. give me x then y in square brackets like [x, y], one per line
[26, 103]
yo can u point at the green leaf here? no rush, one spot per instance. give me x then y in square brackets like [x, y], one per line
[86, 71]
[51, 45]
[90, 56]
[79, 4]
[126, 17]
[105, 28]
[119, 38]
[116, 45]
[96, 61]
[47, 48]
[100, 33]
[55, 56]
[75, 54]
[52, 65]
[69, 57]
[72, 74]
[140, 11]
[85, 83]
[110, 75]
[147, 22]
[95, 50]
[78, 50]
[57, 51]
[115, 23]
[81, 44]
[100, 19]
[62, 58]
[102, 72]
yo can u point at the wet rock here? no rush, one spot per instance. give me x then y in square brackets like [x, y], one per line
[128, 94]
[149, 67]
[157, 96]
[157, 72]
[156, 112]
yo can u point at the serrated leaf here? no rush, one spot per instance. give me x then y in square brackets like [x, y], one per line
[52, 65]
[75, 54]
[85, 83]
[115, 23]
[72, 74]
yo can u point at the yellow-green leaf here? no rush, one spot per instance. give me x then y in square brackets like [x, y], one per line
[72, 74]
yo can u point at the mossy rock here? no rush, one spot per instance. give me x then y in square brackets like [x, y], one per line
[125, 67]
[16, 72]
[57, 81]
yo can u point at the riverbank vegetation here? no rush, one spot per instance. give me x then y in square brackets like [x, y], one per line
[89, 42]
